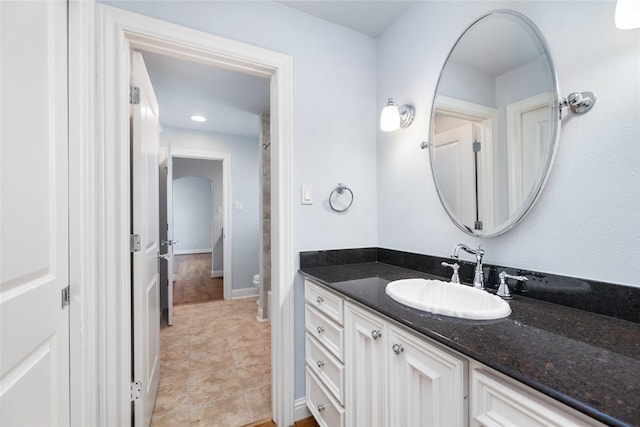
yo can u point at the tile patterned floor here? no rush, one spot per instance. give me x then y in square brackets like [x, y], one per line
[215, 366]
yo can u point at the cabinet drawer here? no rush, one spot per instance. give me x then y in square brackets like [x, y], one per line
[498, 401]
[329, 369]
[330, 334]
[323, 406]
[324, 300]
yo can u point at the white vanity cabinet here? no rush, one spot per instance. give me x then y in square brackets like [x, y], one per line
[395, 378]
[364, 369]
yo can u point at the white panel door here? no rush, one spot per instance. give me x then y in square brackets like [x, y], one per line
[457, 178]
[427, 385]
[535, 147]
[528, 127]
[146, 274]
[365, 363]
[34, 254]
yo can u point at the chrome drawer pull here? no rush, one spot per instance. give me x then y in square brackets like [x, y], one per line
[376, 334]
[319, 299]
[320, 363]
[397, 348]
[320, 329]
[321, 407]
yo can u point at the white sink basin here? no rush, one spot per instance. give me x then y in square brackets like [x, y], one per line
[448, 299]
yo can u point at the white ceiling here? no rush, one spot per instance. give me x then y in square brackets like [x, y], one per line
[505, 35]
[232, 102]
[368, 17]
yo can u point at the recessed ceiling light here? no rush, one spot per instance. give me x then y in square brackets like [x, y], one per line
[197, 118]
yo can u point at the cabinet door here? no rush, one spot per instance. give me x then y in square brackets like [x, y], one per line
[365, 367]
[427, 384]
[498, 401]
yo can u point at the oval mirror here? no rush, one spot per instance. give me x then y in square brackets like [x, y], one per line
[494, 123]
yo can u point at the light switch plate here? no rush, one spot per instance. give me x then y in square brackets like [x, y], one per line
[306, 194]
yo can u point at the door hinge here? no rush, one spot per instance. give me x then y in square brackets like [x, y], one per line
[477, 146]
[478, 225]
[134, 95]
[66, 296]
[134, 243]
[136, 390]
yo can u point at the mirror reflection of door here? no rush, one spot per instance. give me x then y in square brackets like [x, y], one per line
[466, 129]
[456, 171]
[529, 129]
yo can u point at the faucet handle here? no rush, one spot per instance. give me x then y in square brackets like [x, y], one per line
[503, 290]
[505, 275]
[454, 278]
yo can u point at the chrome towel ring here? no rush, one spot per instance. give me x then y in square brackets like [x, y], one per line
[335, 195]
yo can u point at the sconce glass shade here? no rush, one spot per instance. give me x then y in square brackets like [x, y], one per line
[390, 117]
[628, 14]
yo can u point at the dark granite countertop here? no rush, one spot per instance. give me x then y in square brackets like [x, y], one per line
[588, 361]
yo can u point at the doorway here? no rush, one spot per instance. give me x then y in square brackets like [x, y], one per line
[196, 231]
[212, 352]
[117, 32]
[193, 217]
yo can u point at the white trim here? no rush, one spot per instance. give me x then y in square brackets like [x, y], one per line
[301, 410]
[193, 251]
[227, 241]
[116, 32]
[83, 243]
[217, 273]
[244, 293]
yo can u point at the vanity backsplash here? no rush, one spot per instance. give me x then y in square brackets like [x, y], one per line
[608, 299]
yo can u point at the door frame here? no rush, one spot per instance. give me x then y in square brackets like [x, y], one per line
[85, 280]
[227, 243]
[118, 31]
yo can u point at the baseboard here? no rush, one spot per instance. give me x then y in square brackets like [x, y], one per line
[244, 293]
[300, 410]
[260, 317]
[217, 273]
[192, 251]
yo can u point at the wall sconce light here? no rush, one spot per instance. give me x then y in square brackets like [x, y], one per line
[392, 118]
[627, 14]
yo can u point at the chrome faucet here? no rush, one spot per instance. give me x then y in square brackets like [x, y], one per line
[478, 277]
[503, 290]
